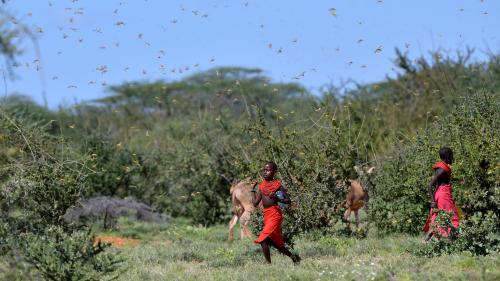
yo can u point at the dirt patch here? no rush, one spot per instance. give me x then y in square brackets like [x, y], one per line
[115, 241]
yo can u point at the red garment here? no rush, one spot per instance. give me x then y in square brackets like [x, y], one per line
[272, 226]
[267, 187]
[444, 201]
[443, 165]
[272, 216]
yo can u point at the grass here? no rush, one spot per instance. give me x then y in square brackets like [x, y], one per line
[180, 251]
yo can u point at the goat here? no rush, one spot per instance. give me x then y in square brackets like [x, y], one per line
[357, 197]
[241, 198]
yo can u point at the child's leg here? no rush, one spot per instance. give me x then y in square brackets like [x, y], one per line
[428, 236]
[284, 250]
[265, 250]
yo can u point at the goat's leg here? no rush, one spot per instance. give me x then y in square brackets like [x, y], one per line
[244, 220]
[347, 215]
[356, 215]
[232, 224]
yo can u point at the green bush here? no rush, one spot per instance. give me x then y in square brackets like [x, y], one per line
[39, 196]
[118, 171]
[195, 175]
[59, 254]
[13, 266]
[40, 179]
[478, 235]
[400, 197]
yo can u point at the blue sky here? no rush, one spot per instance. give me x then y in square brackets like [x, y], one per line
[88, 45]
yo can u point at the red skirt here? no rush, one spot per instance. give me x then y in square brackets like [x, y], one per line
[444, 201]
[272, 226]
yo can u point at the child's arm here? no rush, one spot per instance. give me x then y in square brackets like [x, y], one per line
[256, 197]
[432, 184]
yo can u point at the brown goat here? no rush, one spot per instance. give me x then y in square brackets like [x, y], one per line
[357, 197]
[241, 198]
[355, 200]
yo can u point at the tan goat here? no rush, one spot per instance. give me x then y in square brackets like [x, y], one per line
[356, 197]
[241, 198]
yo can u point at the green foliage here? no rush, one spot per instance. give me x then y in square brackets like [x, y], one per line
[195, 132]
[478, 235]
[10, 35]
[225, 90]
[59, 254]
[40, 179]
[31, 114]
[14, 267]
[190, 131]
[117, 170]
[400, 196]
[197, 173]
[38, 193]
[208, 130]
[313, 169]
[398, 107]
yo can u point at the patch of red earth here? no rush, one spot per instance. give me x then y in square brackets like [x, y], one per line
[115, 241]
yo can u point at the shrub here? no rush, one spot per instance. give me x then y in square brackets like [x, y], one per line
[478, 235]
[197, 172]
[118, 170]
[40, 179]
[400, 197]
[59, 254]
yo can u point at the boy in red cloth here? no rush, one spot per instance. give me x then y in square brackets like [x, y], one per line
[441, 198]
[271, 233]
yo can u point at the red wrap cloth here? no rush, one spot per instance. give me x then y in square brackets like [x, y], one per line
[267, 187]
[444, 201]
[444, 166]
[272, 216]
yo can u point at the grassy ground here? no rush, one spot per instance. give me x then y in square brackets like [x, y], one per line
[178, 251]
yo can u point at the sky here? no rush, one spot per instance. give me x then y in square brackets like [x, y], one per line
[85, 46]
